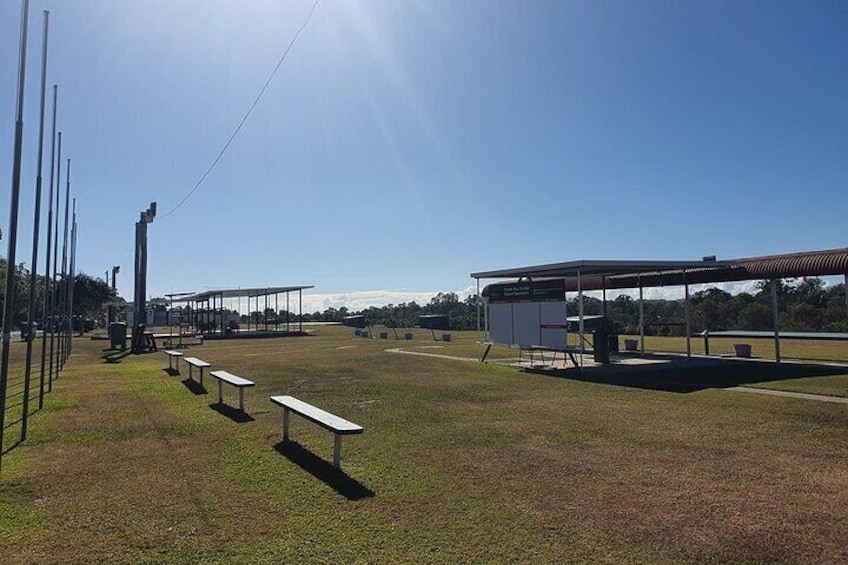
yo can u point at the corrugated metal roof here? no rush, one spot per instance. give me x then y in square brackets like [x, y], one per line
[239, 292]
[801, 264]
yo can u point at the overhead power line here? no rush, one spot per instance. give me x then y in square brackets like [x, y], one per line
[246, 115]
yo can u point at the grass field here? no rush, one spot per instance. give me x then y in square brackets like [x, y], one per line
[460, 462]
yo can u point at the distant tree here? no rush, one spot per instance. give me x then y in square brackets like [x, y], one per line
[89, 295]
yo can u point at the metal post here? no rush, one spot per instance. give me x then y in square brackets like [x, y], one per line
[47, 309]
[285, 424]
[580, 314]
[9, 302]
[64, 294]
[641, 320]
[36, 227]
[604, 296]
[145, 218]
[477, 299]
[54, 299]
[686, 315]
[300, 310]
[136, 275]
[74, 238]
[774, 283]
[337, 451]
[846, 294]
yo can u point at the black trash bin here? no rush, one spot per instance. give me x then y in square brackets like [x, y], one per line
[118, 335]
[600, 343]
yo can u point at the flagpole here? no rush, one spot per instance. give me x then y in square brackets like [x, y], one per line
[8, 303]
[36, 226]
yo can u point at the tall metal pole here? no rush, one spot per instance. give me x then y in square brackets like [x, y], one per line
[36, 226]
[64, 298]
[9, 301]
[115, 270]
[73, 269]
[47, 309]
[140, 301]
[54, 299]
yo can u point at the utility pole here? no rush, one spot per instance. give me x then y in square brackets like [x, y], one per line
[140, 295]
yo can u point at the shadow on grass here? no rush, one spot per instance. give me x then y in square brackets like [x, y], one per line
[114, 355]
[324, 471]
[12, 446]
[683, 376]
[194, 386]
[234, 414]
[171, 372]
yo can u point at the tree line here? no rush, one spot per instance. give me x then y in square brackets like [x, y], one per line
[89, 294]
[806, 304]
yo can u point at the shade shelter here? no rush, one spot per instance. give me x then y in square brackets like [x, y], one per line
[601, 276]
[217, 313]
[434, 322]
[602, 270]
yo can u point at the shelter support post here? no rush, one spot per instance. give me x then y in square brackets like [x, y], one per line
[686, 314]
[604, 295]
[846, 294]
[300, 311]
[477, 299]
[641, 320]
[580, 314]
[774, 311]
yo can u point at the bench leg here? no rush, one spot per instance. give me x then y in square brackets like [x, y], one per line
[285, 424]
[337, 451]
[220, 392]
[241, 398]
[170, 367]
[201, 376]
[190, 367]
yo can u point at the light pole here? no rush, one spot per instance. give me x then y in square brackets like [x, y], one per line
[111, 311]
[140, 295]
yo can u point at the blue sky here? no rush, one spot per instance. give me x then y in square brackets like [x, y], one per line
[403, 145]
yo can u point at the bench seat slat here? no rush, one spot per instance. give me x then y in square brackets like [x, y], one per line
[321, 417]
[196, 362]
[230, 378]
[174, 353]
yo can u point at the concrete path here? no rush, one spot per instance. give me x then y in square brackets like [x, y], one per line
[788, 394]
[437, 355]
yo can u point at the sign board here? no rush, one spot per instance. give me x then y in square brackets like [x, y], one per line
[538, 291]
[526, 322]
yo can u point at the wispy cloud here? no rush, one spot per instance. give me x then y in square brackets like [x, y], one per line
[361, 299]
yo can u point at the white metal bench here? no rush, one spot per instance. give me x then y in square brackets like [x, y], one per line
[236, 381]
[195, 362]
[338, 426]
[173, 355]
